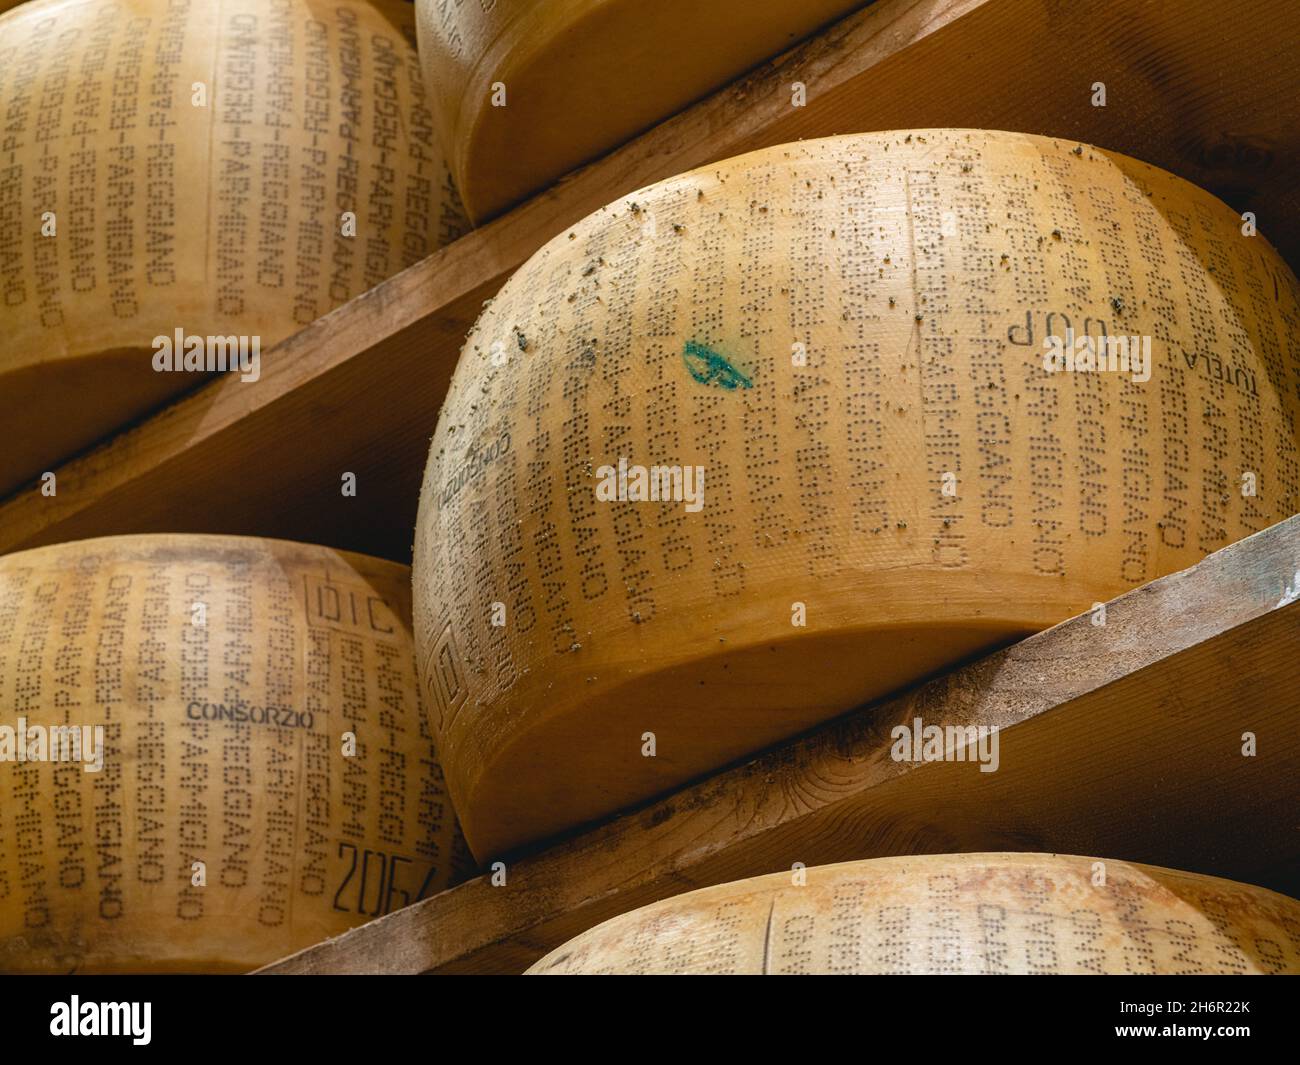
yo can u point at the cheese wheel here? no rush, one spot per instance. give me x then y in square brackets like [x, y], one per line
[831, 357]
[229, 822]
[968, 914]
[173, 165]
[527, 90]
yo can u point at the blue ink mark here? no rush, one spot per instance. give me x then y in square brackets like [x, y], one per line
[710, 368]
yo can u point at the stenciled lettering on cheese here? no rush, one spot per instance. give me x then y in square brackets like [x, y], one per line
[200, 179]
[473, 467]
[262, 775]
[281, 717]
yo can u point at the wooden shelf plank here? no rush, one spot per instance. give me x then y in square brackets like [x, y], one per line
[1210, 98]
[1122, 741]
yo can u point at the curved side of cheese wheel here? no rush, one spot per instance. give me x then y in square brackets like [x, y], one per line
[130, 212]
[582, 76]
[225, 673]
[974, 914]
[847, 337]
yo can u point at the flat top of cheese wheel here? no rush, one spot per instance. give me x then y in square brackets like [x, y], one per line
[762, 442]
[195, 180]
[213, 753]
[1034, 914]
[526, 90]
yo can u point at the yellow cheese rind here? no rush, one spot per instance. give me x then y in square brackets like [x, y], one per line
[527, 90]
[919, 489]
[970, 914]
[188, 166]
[226, 673]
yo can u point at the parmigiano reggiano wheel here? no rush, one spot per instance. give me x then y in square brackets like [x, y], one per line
[226, 673]
[1036, 914]
[846, 337]
[526, 90]
[188, 166]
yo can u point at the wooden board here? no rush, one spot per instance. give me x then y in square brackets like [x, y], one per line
[1213, 99]
[1122, 741]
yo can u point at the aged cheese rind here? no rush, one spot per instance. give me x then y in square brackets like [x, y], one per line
[221, 220]
[973, 914]
[580, 77]
[919, 272]
[225, 672]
